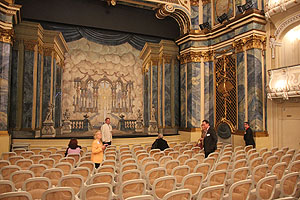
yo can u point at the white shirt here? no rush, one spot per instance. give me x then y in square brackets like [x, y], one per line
[106, 132]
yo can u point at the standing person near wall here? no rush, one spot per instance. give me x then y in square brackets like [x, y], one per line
[210, 139]
[248, 136]
[97, 149]
[106, 132]
[73, 147]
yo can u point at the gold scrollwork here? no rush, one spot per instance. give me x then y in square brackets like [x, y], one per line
[239, 46]
[6, 35]
[48, 51]
[196, 57]
[204, 2]
[194, 2]
[254, 42]
[164, 11]
[30, 44]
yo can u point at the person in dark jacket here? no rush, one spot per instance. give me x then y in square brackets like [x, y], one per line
[210, 138]
[160, 143]
[248, 136]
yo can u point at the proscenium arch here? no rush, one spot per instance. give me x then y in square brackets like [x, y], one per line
[286, 26]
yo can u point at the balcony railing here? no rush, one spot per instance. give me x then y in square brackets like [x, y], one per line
[284, 82]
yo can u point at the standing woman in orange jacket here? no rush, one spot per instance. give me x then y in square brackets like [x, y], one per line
[97, 149]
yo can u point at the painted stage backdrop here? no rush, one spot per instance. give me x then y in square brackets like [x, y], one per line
[102, 81]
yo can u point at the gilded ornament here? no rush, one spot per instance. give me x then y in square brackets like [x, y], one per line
[194, 2]
[254, 42]
[30, 45]
[204, 2]
[7, 35]
[239, 46]
[48, 51]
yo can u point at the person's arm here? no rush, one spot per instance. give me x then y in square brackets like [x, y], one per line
[66, 152]
[96, 148]
[104, 133]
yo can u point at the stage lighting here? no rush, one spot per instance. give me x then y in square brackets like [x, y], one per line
[222, 18]
[204, 26]
[245, 7]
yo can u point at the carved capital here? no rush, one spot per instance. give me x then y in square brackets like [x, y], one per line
[30, 45]
[6, 36]
[194, 2]
[190, 57]
[239, 45]
[254, 42]
[208, 56]
[40, 49]
[48, 51]
[204, 2]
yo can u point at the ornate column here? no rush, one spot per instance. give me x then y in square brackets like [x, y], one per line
[38, 57]
[241, 60]
[161, 84]
[209, 98]
[168, 85]
[190, 88]
[150, 58]
[9, 16]
[254, 45]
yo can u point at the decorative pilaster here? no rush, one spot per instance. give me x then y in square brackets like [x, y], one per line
[36, 53]
[241, 84]
[161, 83]
[150, 56]
[9, 16]
[254, 45]
[191, 86]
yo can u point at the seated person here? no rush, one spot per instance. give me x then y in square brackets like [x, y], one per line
[160, 143]
[73, 147]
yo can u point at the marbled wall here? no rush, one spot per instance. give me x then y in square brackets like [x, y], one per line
[27, 89]
[5, 51]
[193, 95]
[241, 89]
[209, 92]
[86, 58]
[254, 80]
[167, 85]
[154, 89]
[183, 91]
[176, 94]
[13, 89]
[46, 85]
[195, 17]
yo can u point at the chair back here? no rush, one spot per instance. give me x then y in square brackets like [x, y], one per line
[53, 175]
[215, 192]
[240, 190]
[65, 167]
[162, 186]
[178, 194]
[20, 195]
[94, 191]
[36, 186]
[132, 188]
[265, 187]
[61, 193]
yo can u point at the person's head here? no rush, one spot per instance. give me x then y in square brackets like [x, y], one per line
[160, 135]
[205, 124]
[98, 135]
[246, 125]
[107, 120]
[73, 144]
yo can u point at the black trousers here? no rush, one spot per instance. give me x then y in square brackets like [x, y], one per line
[97, 165]
[207, 153]
[109, 143]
